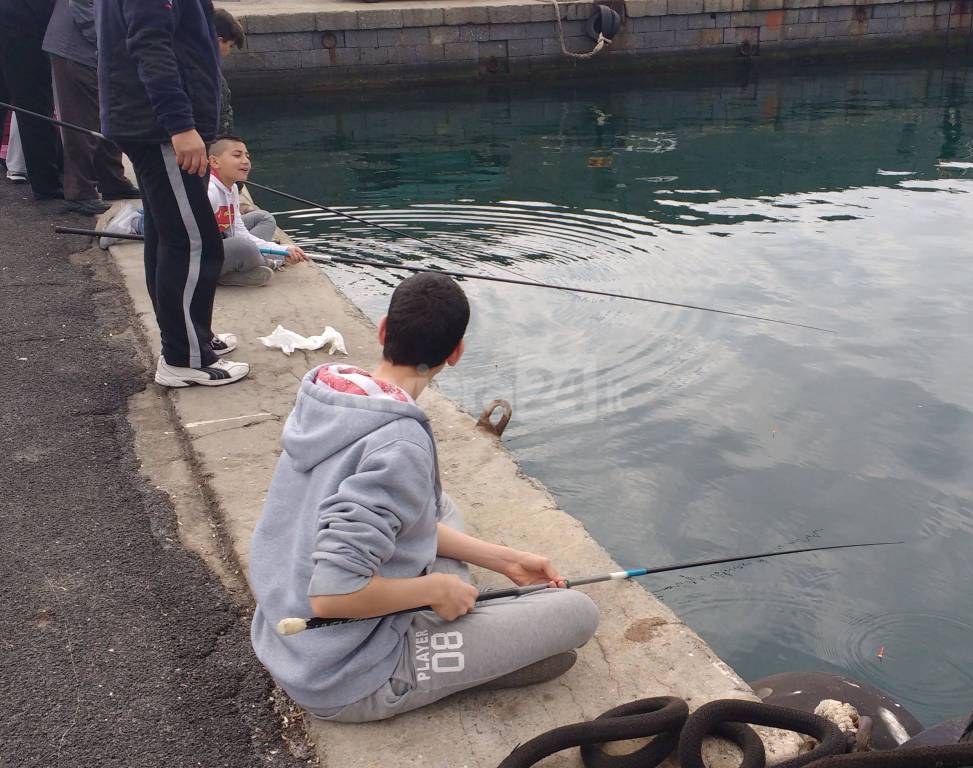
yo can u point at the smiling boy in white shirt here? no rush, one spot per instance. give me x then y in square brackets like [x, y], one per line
[249, 254]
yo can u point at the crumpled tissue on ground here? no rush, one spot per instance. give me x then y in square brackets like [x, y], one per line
[288, 341]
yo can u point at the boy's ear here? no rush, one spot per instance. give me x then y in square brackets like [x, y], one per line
[456, 353]
[381, 330]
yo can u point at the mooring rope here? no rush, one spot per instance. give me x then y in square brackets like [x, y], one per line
[601, 43]
[704, 721]
[662, 716]
[665, 718]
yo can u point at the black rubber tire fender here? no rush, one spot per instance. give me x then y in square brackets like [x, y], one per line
[603, 21]
[946, 756]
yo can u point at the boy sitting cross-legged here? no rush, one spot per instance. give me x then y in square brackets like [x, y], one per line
[249, 255]
[356, 525]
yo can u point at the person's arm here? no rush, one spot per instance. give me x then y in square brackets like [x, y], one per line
[448, 595]
[357, 530]
[522, 568]
[150, 27]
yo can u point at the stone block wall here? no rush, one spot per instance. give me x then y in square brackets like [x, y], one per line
[386, 45]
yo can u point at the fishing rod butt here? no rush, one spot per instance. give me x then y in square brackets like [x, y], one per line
[97, 233]
[291, 626]
[58, 229]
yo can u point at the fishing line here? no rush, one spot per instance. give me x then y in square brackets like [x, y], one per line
[465, 275]
[292, 626]
[397, 232]
[335, 211]
[489, 278]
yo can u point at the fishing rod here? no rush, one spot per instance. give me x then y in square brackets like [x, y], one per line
[97, 233]
[335, 211]
[466, 275]
[293, 626]
[397, 232]
[473, 276]
[520, 280]
[61, 123]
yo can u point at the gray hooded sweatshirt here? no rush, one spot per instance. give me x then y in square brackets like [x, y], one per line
[355, 494]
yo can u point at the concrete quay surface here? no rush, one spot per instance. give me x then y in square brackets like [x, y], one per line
[229, 440]
[303, 45]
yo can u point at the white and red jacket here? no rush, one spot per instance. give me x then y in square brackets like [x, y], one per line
[225, 202]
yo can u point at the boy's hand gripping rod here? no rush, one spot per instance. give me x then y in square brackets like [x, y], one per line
[294, 625]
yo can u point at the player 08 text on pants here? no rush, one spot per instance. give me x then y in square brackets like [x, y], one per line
[439, 652]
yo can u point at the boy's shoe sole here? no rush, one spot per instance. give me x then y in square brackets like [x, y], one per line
[252, 277]
[216, 375]
[538, 672]
[223, 343]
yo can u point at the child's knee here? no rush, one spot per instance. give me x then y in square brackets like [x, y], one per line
[587, 614]
[261, 217]
[581, 617]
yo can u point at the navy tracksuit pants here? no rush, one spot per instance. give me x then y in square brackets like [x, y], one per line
[183, 253]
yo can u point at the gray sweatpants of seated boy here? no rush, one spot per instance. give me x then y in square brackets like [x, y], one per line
[240, 254]
[441, 657]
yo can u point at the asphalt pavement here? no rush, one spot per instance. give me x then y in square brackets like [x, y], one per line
[118, 647]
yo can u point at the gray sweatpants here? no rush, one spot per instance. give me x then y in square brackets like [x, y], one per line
[444, 657]
[240, 254]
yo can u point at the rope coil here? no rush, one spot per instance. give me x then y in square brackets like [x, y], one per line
[665, 718]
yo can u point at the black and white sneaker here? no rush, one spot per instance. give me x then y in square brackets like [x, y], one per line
[215, 375]
[223, 343]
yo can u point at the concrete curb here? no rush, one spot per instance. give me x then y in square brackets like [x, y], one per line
[641, 648]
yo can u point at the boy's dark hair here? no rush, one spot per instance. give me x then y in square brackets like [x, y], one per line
[229, 28]
[427, 318]
[219, 144]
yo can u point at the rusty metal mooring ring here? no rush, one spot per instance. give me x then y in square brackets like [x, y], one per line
[501, 424]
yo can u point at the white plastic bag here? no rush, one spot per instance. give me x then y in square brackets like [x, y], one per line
[288, 341]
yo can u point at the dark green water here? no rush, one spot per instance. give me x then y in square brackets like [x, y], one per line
[840, 199]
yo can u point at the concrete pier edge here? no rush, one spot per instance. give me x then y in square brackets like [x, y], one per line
[216, 460]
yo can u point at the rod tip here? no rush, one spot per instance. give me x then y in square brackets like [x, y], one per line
[291, 626]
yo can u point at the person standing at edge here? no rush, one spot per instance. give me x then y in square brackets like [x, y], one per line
[27, 73]
[159, 97]
[93, 169]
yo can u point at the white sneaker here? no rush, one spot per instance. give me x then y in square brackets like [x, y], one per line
[223, 343]
[215, 375]
[17, 177]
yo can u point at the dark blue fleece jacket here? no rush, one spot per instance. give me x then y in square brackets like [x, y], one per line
[158, 69]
